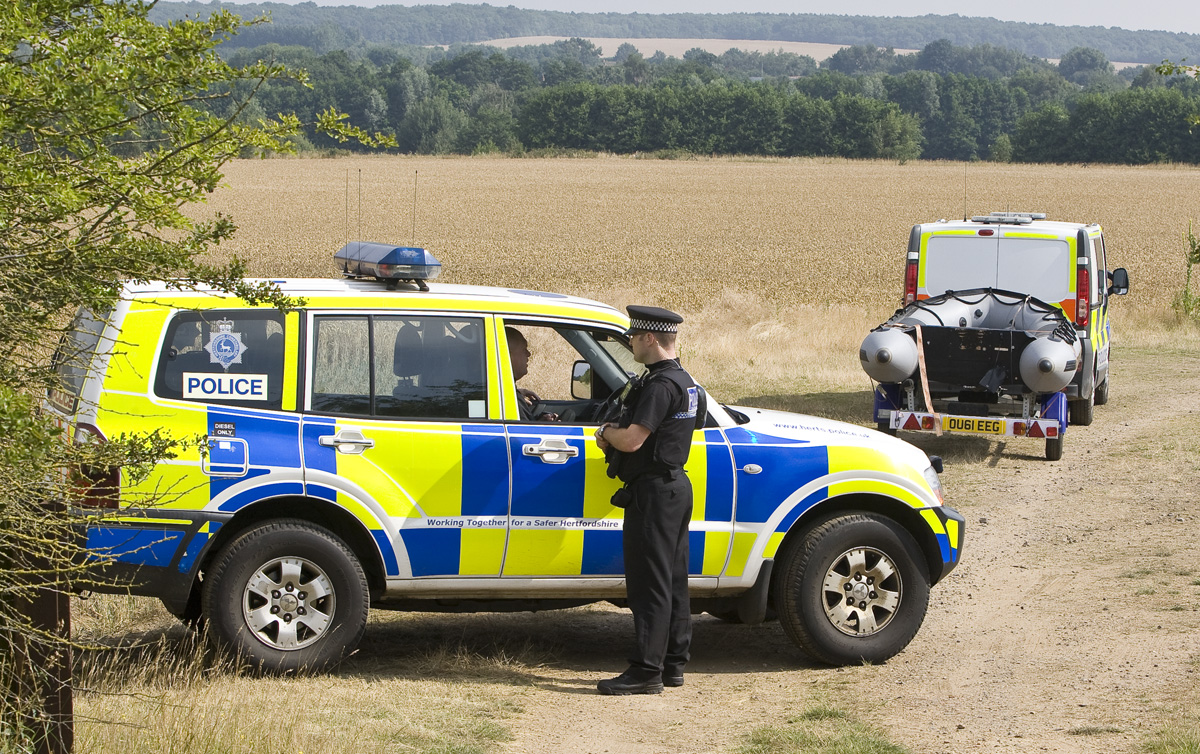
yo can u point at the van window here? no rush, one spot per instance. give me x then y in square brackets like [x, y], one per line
[73, 358]
[232, 357]
[1040, 267]
[956, 263]
[399, 366]
[1096, 269]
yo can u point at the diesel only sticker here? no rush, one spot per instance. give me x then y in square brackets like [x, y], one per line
[224, 429]
[238, 387]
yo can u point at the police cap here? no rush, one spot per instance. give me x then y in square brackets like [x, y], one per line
[652, 319]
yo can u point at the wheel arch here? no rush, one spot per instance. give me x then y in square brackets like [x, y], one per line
[339, 521]
[881, 505]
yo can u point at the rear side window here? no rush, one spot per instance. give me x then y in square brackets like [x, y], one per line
[231, 357]
[1096, 269]
[73, 358]
[417, 367]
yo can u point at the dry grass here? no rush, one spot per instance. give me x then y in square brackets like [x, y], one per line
[159, 689]
[780, 265]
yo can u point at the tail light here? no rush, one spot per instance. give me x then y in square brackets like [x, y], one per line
[910, 282]
[1083, 310]
[98, 486]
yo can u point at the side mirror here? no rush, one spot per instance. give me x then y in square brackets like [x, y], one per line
[582, 385]
[1120, 282]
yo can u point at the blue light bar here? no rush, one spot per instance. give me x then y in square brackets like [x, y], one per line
[387, 262]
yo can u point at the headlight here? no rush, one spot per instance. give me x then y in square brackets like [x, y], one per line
[935, 484]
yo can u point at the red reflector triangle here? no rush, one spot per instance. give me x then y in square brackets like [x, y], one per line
[912, 422]
[1035, 430]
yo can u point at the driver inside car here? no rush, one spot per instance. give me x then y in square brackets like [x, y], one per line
[527, 400]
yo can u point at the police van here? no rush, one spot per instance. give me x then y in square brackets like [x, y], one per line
[1061, 263]
[366, 450]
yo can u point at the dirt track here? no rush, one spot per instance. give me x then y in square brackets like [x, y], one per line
[1070, 625]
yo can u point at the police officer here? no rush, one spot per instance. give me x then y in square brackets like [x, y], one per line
[647, 448]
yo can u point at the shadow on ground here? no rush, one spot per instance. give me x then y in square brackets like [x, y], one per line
[565, 650]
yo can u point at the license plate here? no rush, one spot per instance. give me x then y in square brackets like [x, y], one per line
[974, 425]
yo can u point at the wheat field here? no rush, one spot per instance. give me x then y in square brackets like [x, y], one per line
[780, 266]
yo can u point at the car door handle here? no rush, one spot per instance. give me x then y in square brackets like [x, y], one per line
[551, 451]
[346, 441]
[751, 468]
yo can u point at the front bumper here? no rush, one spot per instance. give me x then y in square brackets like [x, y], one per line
[949, 529]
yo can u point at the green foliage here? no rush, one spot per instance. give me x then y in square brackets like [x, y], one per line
[1187, 304]
[821, 729]
[1041, 136]
[715, 118]
[1001, 150]
[110, 125]
[1180, 738]
[1081, 65]
[861, 59]
[330, 28]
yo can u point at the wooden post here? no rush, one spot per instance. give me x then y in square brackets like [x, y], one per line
[42, 666]
[50, 667]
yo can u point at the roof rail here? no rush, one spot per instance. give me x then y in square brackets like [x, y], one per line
[1016, 218]
[1034, 215]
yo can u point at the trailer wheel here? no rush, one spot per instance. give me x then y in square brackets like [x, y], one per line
[853, 589]
[1054, 447]
[1101, 396]
[886, 428]
[1080, 412]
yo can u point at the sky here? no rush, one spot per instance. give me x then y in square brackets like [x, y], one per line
[1184, 17]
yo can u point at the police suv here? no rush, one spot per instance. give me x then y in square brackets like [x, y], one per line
[367, 450]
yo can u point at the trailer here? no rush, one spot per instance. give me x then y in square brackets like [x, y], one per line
[981, 362]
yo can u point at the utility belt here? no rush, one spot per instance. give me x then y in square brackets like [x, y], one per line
[624, 496]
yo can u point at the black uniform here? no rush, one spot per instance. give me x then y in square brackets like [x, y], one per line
[657, 511]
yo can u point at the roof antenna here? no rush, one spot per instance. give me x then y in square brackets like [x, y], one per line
[965, 165]
[414, 213]
[346, 224]
[360, 233]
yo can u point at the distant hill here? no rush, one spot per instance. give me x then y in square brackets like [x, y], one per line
[325, 28]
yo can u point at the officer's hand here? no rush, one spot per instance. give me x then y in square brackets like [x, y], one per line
[600, 441]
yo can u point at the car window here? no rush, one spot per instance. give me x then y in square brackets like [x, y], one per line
[546, 364]
[232, 357]
[422, 367]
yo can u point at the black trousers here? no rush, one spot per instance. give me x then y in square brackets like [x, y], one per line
[655, 539]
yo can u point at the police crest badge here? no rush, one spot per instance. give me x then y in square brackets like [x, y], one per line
[225, 347]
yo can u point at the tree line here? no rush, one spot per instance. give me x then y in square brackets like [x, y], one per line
[943, 102]
[331, 28]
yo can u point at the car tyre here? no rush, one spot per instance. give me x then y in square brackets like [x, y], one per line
[1101, 396]
[854, 555]
[286, 596]
[1081, 411]
[886, 428]
[1054, 448]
